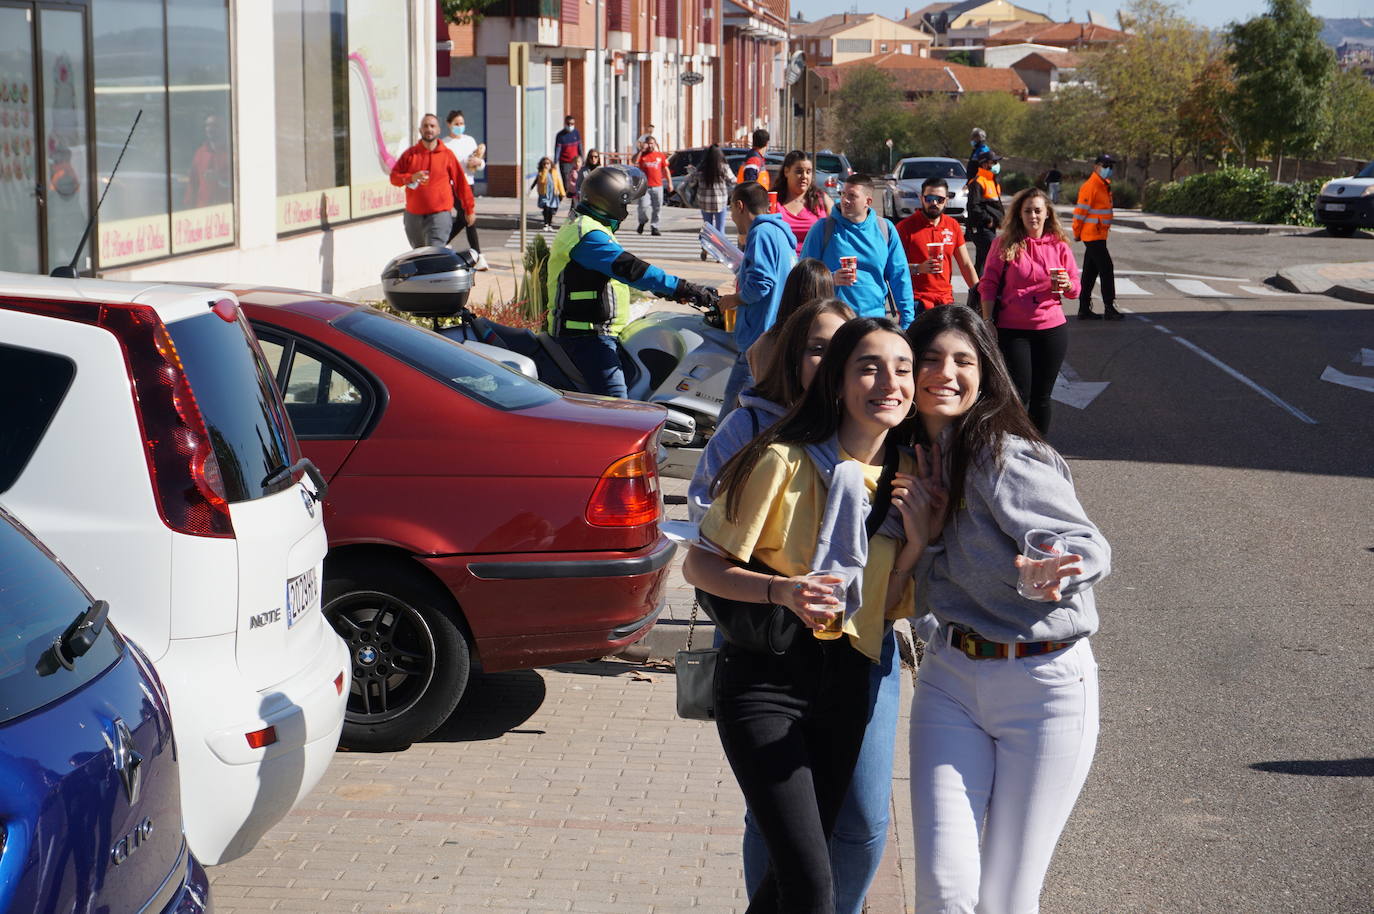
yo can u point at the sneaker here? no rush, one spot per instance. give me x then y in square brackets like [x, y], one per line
[641, 228]
[654, 232]
[1110, 313]
[482, 264]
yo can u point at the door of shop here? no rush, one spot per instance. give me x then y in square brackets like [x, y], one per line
[46, 153]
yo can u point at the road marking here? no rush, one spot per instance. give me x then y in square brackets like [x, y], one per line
[958, 286]
[1072, 390]
[1257, 388]
[1364, 357]
[1129, 287]
[1179, 275]
[1359, 382]
[1127, 230]
[1262, 290]
[1196, 288]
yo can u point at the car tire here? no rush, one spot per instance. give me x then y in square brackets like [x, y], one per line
[410, 658]
[1340, 231]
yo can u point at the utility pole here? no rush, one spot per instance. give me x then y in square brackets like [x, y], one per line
[518, 67]
[598, 71]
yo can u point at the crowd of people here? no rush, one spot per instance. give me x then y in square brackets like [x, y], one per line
[881, 454]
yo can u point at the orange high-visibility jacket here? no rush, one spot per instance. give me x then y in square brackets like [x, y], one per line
[759, 165]
[1092, 217]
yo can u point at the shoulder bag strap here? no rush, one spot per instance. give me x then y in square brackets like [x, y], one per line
[882, 498]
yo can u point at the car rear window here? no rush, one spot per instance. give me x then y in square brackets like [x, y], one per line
[34, 384]
[831, 165]
[242, 411]
[925, 170]
[447, 361]
[38, 600]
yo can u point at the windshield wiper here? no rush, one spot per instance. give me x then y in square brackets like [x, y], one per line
[305, 463]
[79, 638]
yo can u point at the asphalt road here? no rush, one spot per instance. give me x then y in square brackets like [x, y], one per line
[1235, 771]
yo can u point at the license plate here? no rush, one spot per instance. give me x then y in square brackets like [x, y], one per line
[1335, 207]
[302, 595]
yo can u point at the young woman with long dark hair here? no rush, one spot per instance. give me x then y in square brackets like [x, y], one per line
[712, 183]
[1029, 270]
[801, 202]
[1005, 717]
[793, 723]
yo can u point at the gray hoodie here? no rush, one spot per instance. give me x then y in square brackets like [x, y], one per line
[740, 427]
[969, 577]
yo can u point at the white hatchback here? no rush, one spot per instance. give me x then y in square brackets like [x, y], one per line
[145, 441]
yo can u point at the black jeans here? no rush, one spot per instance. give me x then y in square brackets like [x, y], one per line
[1033, 358]
[792, 726]
[464, 218]
[1097, 261]
[982, 242]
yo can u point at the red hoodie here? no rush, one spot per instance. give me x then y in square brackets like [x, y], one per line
[446, 180]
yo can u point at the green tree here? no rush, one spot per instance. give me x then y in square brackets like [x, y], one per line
[464, 12]
[1351, 128]
[866, 112]
[1206, 119]
[1146, 79]
[940, 125]
[1283, 77]
[1071, 124]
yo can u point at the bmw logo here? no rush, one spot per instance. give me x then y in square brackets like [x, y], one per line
[309, 499]
[367, 656]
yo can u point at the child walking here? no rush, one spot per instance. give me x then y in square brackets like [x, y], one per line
[548, 187]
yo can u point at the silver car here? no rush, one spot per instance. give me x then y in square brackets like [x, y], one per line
[902, 196]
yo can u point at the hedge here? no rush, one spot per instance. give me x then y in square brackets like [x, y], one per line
[1245, 194]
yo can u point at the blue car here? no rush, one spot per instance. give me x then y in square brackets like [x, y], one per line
[90, 809]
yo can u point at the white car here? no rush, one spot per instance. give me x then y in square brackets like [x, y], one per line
[145, 440]
[903, 196]
[1345, 204]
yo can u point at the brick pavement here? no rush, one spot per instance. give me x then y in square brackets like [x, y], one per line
[571, 788]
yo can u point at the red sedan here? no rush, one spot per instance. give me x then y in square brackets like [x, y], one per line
[475, 517]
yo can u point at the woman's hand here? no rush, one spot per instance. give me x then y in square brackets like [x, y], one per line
[812, 598]
[1067, 567]
[923, 498]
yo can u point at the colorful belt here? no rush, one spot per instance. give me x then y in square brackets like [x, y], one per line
[976, 647]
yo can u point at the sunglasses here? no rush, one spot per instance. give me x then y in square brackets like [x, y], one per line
[934, 198]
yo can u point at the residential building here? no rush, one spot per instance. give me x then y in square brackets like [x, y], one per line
[1064, 35]
[263, 158]
[949, 21]
[844, 37]
[1044, 72]
[916, 77]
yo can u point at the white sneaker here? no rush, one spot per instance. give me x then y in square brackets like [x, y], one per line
[482, 262]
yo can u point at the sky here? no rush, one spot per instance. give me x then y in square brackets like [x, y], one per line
[1210, 13]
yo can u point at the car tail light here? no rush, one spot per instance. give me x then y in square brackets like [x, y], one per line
[260, 738]
[627, 494]
[832, 181]
[185, 473]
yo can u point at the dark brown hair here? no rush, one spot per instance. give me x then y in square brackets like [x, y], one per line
[781, 382]
[815, 199]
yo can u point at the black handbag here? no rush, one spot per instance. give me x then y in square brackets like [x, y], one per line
[696, 678]
[766, 628]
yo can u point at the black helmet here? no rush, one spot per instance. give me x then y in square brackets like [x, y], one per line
[611, 189]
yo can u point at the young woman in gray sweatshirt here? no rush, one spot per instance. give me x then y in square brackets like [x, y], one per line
[1005, 718]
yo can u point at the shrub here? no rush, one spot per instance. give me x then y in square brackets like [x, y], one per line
[1013, 182]
[1125, 195]
[1245, 194]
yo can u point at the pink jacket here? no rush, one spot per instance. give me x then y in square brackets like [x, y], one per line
[1024, 284]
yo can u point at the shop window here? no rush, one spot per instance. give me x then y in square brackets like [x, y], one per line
[129, 58]
[199, 110]
[380, 122]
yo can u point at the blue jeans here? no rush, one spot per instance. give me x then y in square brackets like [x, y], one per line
[860, 836]
[717, 219]
[740, 378]
[596, 356]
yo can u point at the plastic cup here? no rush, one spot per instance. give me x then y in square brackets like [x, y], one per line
[834, 624]
[936, 251]
[1042, 550]
[772, 201]
[1060, 276]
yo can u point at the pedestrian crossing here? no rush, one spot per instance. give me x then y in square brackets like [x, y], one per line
[668, 246]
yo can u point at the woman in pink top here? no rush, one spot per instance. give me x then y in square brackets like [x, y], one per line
[801, 203]
[1030, 268]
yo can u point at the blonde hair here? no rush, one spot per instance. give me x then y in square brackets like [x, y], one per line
[1013, 234]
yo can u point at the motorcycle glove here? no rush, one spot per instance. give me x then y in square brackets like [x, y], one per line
[693, 294]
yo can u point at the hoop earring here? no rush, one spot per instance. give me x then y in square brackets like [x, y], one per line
[913, 410]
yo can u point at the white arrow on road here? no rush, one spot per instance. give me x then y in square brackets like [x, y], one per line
[1359, 382]
[1072, 390]
[1365, 357]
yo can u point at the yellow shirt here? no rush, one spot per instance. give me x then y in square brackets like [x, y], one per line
[780, 514]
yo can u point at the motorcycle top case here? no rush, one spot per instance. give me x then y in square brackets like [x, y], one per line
[429, 282]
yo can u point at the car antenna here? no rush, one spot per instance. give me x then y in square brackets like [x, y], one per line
[70, 271]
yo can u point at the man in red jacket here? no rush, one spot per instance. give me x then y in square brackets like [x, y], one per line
[435, 186]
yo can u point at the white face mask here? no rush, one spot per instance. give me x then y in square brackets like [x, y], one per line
[996, 168]
[1106, 171]
[458, 131]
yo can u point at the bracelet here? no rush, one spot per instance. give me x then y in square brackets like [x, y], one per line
[770, 587]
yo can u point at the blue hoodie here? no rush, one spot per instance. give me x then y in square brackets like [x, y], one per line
[769, 253]
[882, 264]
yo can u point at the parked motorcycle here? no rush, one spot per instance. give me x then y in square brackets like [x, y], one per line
[679, 361]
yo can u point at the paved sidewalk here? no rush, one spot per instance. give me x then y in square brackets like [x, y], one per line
[1348, 281]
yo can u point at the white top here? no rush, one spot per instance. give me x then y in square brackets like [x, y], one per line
[463, 147]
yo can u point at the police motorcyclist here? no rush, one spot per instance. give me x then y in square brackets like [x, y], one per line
[590, 274]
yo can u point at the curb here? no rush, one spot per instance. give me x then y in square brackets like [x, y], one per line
[1300, 279]
[667, 637]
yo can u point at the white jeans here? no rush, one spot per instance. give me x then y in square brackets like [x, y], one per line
[999, 752]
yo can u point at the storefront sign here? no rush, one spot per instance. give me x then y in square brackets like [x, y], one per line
[379, 116]
[312, 209]
[377, 197]
[205, 227]
[130, 240]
